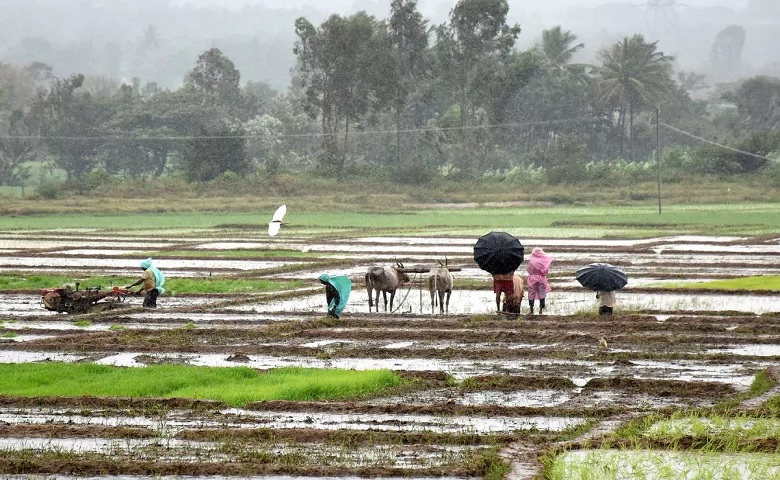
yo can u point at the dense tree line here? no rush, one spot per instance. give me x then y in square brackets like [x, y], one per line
[397, 94]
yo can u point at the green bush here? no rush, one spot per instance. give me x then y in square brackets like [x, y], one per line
[49, 189]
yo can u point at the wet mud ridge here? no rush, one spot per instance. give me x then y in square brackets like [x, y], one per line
[477, 386]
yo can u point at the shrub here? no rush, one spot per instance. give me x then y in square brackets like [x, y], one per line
[49, 189]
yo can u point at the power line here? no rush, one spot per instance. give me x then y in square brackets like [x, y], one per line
[309, 135]
[736, 150]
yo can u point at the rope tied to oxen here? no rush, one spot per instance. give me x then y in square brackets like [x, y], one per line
[411, 282]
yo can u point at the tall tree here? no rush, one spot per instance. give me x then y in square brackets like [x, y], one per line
[345, 68]
[70, 122]
[758, 103]
[18, 127]
[476, 38]
[633, 74]
[558, 48]
[217, 78]
[408, 34]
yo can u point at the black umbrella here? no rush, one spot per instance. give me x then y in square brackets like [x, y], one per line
[498, 252]
[601, 277]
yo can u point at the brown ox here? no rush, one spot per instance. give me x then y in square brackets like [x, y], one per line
[385, 280]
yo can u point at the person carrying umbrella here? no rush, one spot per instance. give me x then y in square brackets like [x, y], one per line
[499, 254]
[605, 280]
[337, 289]
[606, 302]
[538, 287]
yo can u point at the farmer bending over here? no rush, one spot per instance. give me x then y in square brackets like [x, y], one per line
[151, 281]
[337, 289]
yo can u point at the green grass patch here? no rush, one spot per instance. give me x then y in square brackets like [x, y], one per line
[726, 431]
[760, 282]
[10, 335]
[236, 386]
[173, 286]
[560, 221]
[82, 323]
[37, 282]
[661, 465]
[225, 286]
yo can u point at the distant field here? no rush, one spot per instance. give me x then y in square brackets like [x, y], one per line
[560, 221]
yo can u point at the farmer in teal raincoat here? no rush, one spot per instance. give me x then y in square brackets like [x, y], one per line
[337, 290]
[151, 281]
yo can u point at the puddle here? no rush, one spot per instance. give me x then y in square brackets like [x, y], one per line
[558, 303]
[749, 350]
[175, 422]
[171, 450]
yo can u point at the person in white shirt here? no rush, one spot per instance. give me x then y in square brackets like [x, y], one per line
[606, 302]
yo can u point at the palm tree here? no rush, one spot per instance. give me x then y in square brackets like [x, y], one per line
[633, 74]
[557, 49]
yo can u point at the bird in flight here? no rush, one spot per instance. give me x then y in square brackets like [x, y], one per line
[276, 221]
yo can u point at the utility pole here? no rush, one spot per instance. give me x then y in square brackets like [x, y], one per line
[658, 152]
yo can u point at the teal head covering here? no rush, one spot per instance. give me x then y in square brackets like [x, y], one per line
[159, 278]
[343, 285]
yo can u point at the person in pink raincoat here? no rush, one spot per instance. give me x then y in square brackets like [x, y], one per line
[538, 267]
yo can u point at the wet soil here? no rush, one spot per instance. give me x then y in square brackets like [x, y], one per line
[475, 381]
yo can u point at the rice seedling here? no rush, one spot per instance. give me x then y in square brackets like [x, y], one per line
[726, 431]
[761, 282]
[607, 464]
[236, 386]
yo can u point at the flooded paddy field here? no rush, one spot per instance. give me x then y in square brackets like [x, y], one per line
[477, 383]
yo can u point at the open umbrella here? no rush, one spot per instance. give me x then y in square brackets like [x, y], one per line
[498, 252]
[601, 277]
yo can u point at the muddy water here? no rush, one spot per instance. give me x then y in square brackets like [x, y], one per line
[688, 356]
[736, 373]
[558, 303]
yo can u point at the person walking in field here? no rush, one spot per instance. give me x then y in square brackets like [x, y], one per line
[538, 287]
[151, 281]
[606, 302]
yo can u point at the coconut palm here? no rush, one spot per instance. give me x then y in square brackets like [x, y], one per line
[633, 74]
[557, 49]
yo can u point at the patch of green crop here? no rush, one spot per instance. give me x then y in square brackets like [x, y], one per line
[182, 286]
[173, 286]
[760, 282]
[37, 282]
[749, 218]
[722, 430]
[236, 386]
[10, 335]
[82, 323]
[606, 464]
